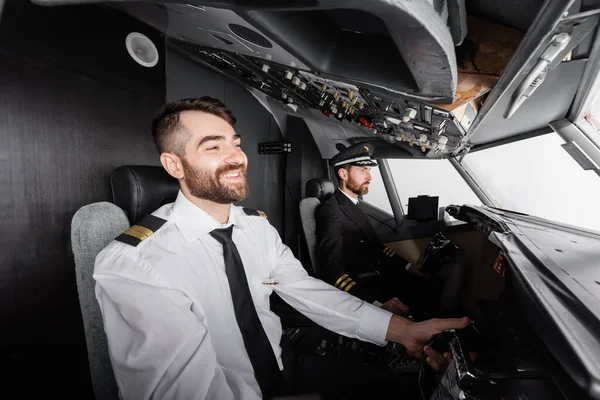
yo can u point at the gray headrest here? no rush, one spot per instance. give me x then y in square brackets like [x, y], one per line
[319, 188]
[94, 226]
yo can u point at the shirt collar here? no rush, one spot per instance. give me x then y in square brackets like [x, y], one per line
[194, 222]
[352, 199]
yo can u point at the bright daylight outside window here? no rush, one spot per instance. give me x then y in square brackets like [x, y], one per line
[421, 177]
[538, 177]
[377, 195]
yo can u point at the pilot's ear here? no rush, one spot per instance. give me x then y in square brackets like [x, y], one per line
[343, 174]
[172, 164]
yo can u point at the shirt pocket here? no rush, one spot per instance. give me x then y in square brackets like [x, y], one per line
[262, 287]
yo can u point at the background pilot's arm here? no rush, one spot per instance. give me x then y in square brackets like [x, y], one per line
[391, 259]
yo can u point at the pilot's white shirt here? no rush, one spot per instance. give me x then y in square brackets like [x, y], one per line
[168, 312]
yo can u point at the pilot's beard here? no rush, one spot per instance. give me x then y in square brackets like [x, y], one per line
[205, 184]
[357, 188]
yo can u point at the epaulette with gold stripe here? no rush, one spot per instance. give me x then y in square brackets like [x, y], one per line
[344, 283]
[256, 213]
[141, 231]
[389, 252]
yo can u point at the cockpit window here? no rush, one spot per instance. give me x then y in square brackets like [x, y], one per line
[377, 195]
[537, 176]
[421, 177]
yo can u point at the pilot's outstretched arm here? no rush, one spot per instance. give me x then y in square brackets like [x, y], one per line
[346, 314]
[337, 310]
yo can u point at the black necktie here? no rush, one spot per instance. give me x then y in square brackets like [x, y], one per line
[266, 370]
[361, 207]
[367, 227]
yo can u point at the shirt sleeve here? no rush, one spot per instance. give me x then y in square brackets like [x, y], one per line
[159, 348]
[329, 307]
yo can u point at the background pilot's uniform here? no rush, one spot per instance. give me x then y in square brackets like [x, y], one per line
[353, 259]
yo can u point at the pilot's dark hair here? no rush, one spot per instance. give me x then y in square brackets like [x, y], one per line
[167, 132]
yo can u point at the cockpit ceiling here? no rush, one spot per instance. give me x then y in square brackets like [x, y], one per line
[414, 74]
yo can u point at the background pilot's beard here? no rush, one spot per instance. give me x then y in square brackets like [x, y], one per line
[206, 185]
[356, 188]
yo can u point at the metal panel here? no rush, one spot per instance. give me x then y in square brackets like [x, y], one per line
[579, 156]
[544, 131]
[550, 102]
[570, 133]
[568, 34]
[532, 44]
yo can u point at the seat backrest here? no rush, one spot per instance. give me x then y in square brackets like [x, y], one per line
[93, 227]
[137, 190]
[309, 226]
[317, 190]
[142, 189]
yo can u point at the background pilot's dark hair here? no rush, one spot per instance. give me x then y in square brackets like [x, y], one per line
[168, 134]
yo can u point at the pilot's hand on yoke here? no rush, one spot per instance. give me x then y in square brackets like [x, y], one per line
[415, 335]
[437, 361]
[395, 306]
